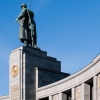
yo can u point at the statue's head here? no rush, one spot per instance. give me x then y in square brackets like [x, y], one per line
[23, 5]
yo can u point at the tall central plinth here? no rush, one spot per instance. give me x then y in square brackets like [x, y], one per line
[22, 77]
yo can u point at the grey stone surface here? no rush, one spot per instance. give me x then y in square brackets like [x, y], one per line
[46, 76]
[38, 58]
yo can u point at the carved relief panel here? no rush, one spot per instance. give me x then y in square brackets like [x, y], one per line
[98, 81]
[14, 83]
[78, 93]
[55, 97]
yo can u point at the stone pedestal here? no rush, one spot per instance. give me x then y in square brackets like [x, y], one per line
[22, 64]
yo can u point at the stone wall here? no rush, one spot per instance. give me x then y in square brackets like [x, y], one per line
[46, 76]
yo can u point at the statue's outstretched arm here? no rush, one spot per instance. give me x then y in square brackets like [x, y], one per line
[21, 15]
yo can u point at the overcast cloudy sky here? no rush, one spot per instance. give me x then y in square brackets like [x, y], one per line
[67, 29]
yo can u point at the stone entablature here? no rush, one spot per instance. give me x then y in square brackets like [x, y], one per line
[77, 83]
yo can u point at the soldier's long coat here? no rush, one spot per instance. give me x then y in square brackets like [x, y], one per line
[26, 25]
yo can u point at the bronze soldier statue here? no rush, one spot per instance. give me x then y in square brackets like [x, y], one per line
[27, 34]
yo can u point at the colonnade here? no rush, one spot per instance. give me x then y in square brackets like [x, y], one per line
[89, 90]
[83, 85]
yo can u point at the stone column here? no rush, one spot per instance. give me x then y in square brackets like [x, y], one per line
[50, 98]
[98, 85]
[85, 91]
[95, 88]
[62, 96]
[73, 93]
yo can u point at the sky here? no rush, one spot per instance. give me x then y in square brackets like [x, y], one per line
[67, 29]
